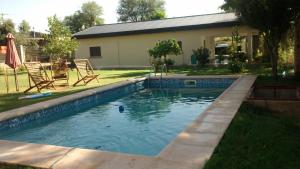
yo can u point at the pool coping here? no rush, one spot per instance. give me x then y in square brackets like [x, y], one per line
[189, 150]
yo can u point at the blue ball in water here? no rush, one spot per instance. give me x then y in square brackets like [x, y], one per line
[121, 109]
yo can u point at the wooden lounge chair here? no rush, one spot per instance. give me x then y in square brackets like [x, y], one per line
[85, 71]
[38, 75]
[60, 70]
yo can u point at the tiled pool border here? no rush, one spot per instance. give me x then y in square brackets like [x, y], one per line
[190, 149]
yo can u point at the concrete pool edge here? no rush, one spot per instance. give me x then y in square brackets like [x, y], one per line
[190, 149]
[197, 142]
[17, 112]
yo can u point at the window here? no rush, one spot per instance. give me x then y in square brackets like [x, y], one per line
[95, 51]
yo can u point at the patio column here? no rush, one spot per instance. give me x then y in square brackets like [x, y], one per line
[297, 49]
[209, 43]
[250, 47]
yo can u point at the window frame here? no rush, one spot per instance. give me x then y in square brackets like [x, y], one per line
[94, 54]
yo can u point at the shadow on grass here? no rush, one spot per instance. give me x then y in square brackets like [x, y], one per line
[11, 166]
[125, 75]
[269, 80]
[11, 100]
[256, 139]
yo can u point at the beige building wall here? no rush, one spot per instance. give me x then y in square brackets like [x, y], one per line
[131, 50]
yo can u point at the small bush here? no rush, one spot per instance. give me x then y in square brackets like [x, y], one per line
[236, 66]
[170, 62]
[220, 58]
[237, 62]
[202, 55]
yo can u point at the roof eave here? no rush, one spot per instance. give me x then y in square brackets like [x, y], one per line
[159, 30]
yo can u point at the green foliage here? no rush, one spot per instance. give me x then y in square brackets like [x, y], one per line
[237, 58]
[164, 48]
[161, 50]
[22, 37]
[220, 57]
[170, 62]
[75, 22]
[202, 55]
[24, 27]
[89, 15]
[265, 15]
[235, 66]
[141, 10]
[59, 40]
[6, 26]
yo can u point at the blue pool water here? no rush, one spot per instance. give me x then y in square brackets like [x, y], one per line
[150, 120]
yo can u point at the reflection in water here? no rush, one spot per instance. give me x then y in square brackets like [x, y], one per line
[140, 123]
[148, 104]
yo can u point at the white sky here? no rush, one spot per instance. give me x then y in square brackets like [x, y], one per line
[37, 11]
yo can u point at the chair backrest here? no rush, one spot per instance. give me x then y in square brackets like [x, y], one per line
[60, 68]
[36, 72]
[83, 67]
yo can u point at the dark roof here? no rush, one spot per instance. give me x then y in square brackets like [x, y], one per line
[34, 34]
[164, 25]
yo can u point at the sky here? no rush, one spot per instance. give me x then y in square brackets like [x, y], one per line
[36, 12]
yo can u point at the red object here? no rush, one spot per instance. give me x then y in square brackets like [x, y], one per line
[12, 58]
[3, 49]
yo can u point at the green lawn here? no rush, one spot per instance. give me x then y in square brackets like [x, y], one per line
[7, 166]
[256, 139]
[10, 100]
[258, 69]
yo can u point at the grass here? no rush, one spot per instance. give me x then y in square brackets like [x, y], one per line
[10, 100]
[256, 139]
[10, 166]
[257, 69]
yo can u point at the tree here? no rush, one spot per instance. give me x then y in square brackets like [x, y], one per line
[24, 27]
[164, 48]
[141, 10]
[272, 17]
[237, 58]
[89, 15]
[91, 12]
[59, 40]
[202, 55]
[75, 22]
[6, 27]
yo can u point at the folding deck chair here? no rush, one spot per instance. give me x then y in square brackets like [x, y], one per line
[85, 71]
[38, 75]
[60, 70]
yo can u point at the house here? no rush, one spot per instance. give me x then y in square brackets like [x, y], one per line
[125, 45]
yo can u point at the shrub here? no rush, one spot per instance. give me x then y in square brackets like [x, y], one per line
[236, 66]
[237, 58]
[162, 49]
[202, 55]
[220, 58]
[170, 62]
[237, 62]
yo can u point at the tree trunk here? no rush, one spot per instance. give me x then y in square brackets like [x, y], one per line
[272, 47]
[274, 59]
[297, 48]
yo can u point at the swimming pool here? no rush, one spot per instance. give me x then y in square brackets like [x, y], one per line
[140, 118]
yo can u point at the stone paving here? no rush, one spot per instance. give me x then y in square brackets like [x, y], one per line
[189, 150]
